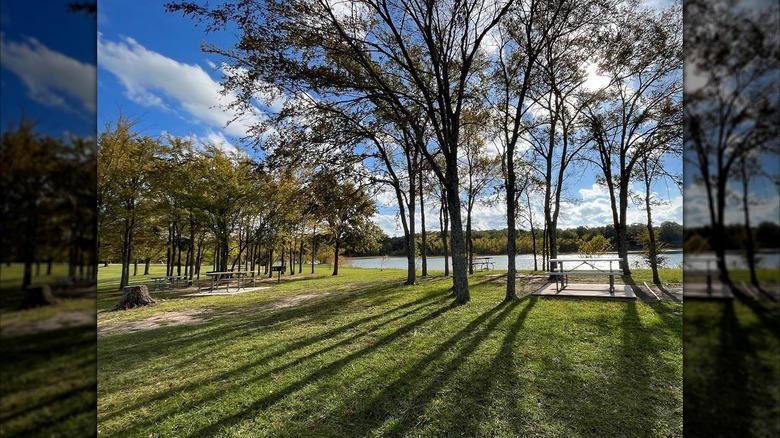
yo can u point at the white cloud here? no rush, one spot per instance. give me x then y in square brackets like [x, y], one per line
[389, 224]
[52, 78]
[149, 78]
[762, 209]
[594, 192]
[218, 139]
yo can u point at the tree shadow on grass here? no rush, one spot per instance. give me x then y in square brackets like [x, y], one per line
[491, 384]
[240, 377]
[243, 325]
[662, 308]
[629, 396]
[407, 396]
[48, 379]
[328, 370]
[668, 294]
[231, 335]
[730, 388]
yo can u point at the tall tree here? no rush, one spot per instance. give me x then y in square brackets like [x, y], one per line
[126, 163]
[29, 192]
[650, 168]
[346, 208]
[430, 47]
[480, 169]
[731, 94]
[528, 31]
[643, 59]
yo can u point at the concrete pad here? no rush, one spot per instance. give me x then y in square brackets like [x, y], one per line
[222, 291]
[717, 291]
[587, 290]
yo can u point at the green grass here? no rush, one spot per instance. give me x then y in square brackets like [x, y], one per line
[765, 275]
[732, 369]
[49, 379]
[11, 281]
[666, 275]
[366, 356]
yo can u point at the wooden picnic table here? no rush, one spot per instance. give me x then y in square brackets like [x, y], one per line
[240, 276]
[692, 266]
[484, 263]
[589, 263]
[168, 281]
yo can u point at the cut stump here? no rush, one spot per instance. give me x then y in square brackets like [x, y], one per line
[38, 295]
[134, 296]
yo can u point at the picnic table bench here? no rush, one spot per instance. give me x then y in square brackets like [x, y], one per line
[561, 275]
[167, 281]
[227, 277]
[484, 263]
[691, 269]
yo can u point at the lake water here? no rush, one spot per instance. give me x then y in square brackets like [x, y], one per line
[526, 261]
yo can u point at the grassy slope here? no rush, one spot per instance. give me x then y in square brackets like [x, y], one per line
[369, 357]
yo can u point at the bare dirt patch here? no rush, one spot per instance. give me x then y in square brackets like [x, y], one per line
[294, 300]
[193, 316]
[64, 319]
[164, 319]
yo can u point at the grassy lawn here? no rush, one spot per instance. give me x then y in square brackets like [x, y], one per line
[362, 355]
[48, 368]
[732, 369]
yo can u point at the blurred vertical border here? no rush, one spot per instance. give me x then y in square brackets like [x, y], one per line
[731, 326]
[48, 335]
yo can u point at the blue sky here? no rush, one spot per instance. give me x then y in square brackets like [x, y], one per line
[48, 67]
[150, 67]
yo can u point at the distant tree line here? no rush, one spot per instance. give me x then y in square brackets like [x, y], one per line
[48, 202]
[570, 240]
[171, 200]
[766, 235]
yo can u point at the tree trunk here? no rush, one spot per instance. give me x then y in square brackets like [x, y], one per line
[750, 249]
[511, 229]
[127, 251]
[292, 260]
[469, 242]
[652, 246]
[445, 221]
[134, 296]
[623, 233]
[178, 248]
[270, 263]
[147, 262]
[423, 245]
[169, 253]
[300, 256]
[533, 230]
[313, 247]
[38, 295]
[336, 258]
[409, 226]
[460, 281]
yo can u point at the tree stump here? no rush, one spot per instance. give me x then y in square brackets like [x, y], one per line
[38, 295]
[134, 296]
